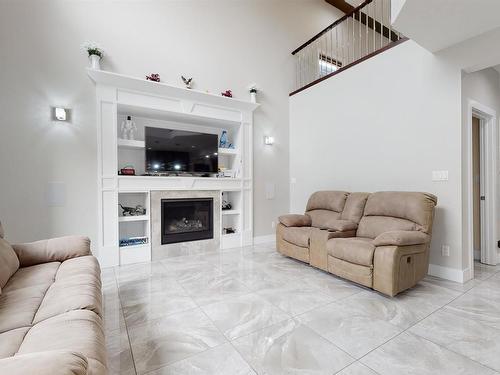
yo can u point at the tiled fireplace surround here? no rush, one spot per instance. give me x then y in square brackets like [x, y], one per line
[159, 251]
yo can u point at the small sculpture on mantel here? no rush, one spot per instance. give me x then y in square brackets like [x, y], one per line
[128, 128]
[227, 94]
[155, 77]
[187, 81]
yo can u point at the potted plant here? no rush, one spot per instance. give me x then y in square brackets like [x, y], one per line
[253, 92]
[95, 53]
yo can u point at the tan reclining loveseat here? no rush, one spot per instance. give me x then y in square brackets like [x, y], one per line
[380, 240]
[50, 308]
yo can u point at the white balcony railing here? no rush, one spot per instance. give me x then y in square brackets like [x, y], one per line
[364, 31]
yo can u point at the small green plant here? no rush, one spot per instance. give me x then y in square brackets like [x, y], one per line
[93, 49]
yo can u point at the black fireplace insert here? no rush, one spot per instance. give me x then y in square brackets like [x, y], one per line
[184, 220]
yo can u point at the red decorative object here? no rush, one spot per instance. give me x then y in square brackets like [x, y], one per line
[227, 93]
[127, 171]
[155, 77]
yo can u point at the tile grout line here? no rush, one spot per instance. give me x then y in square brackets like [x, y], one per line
[420, 320]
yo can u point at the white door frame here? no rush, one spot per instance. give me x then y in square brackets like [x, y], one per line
[489, 147]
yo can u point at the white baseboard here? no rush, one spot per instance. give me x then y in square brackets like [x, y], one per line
[452, 274]
[264, 239]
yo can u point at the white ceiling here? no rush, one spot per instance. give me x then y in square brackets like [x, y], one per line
[439, 24]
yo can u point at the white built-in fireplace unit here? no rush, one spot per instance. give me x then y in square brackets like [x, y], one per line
[183, 213]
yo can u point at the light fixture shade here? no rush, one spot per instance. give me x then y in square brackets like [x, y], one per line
[268, 140]
[60, 114]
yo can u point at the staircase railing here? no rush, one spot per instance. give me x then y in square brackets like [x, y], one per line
[360, 34]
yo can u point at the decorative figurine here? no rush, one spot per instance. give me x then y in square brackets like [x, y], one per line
[155, 77]
[187, 81]
[227, 94]
[128, 129]
[223, 139]
[253, 92]
[226, 205]
[133, 211]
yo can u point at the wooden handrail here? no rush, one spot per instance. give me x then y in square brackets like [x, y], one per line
[328, 28]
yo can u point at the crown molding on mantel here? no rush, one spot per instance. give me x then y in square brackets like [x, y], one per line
[158, 88]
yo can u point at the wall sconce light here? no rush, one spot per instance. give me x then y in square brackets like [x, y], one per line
[268, 140]
[60, 114]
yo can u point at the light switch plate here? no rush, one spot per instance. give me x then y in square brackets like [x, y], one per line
[445, 250]
[56, 194]
[270, 190]
[439, 175]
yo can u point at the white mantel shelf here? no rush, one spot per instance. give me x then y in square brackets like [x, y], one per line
[163, 89]
[168, 106]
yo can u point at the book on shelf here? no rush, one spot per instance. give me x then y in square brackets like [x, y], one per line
[133, 241]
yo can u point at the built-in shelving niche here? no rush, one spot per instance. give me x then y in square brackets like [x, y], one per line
[131, 153]
[134, 226]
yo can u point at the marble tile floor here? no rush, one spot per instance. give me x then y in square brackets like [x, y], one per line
[253, 311]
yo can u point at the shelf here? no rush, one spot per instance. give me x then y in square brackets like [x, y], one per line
[229, 235]
[124, 219]
[230, 212]
[132, 247]
[228, 151]
[131, 144]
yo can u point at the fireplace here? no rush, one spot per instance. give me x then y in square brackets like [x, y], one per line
[186, 219]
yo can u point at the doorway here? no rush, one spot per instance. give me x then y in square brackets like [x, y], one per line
[482, 144]
[477, 195]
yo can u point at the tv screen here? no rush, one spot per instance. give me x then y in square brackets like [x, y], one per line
[170, 150]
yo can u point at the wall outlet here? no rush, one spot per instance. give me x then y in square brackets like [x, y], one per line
[445, 250]
[273, 224]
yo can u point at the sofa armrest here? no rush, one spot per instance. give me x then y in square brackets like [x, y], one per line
[402, 238]
[295, 220]
[396, 268]
[53, 250]
[45, 363]
[340, 225]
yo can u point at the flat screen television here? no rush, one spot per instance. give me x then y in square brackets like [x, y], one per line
[180, 151]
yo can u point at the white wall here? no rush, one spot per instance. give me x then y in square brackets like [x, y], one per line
[384, 124]
[221, 43]
[483, 87]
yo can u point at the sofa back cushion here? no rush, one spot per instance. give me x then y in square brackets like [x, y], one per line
[325, 206]
[354, 207]
[9, 263]
[388, 211]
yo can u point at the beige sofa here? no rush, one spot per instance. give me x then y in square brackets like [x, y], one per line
[50, 308]
[380, 240]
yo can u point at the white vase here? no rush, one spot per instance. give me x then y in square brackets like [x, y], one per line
[253, 97]
[95, 62]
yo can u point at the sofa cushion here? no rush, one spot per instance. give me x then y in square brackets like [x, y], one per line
[294, 220]
[8, 262]
[18, 307]
[297, 235]
[355, 250]
[79, 292]
[85, 265]
[412, 206]
[47, 363]
[323, 219]
[41, 274]
[354, 207]
[327, 200]
[10, 341]
[77, 331]
[401, 238]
